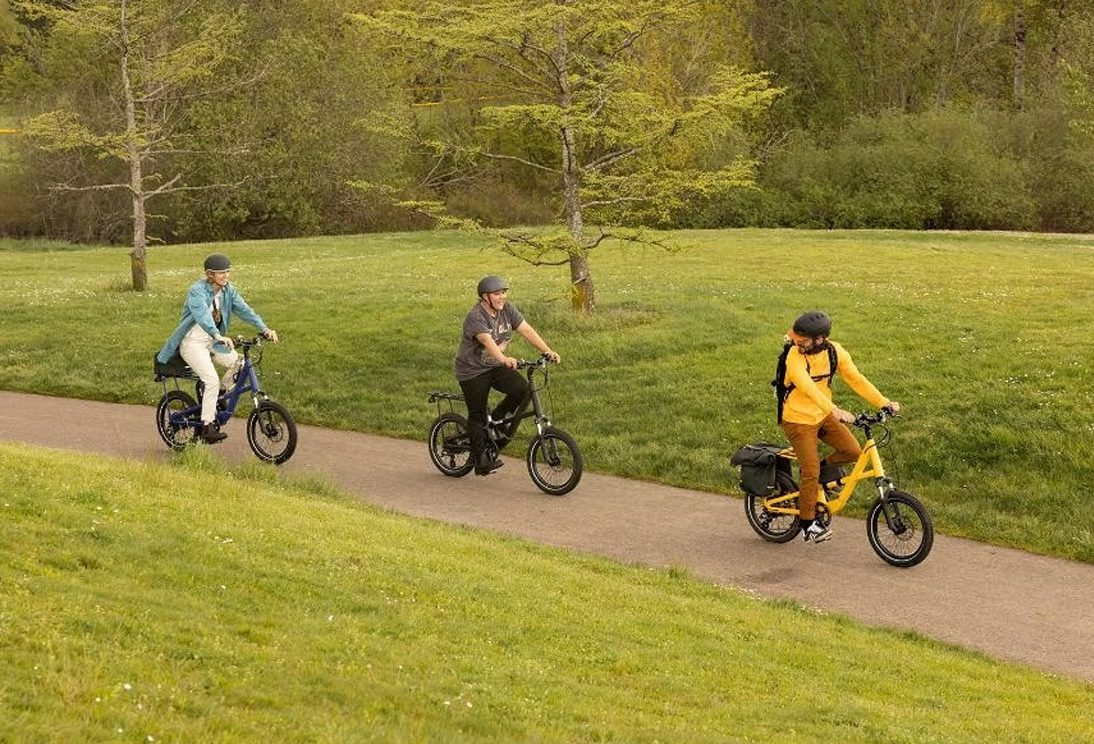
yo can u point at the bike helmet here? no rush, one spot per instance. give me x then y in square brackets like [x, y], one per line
[810, 325]
[491, 283]
[217, 262]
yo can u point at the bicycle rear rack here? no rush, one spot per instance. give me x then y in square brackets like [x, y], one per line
[163, 373]
[437, 397]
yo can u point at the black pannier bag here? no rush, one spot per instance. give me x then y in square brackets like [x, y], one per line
[758, 463]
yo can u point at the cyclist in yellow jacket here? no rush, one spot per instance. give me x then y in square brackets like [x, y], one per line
[808, 413]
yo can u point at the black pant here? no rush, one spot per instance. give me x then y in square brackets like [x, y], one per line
[476, 391]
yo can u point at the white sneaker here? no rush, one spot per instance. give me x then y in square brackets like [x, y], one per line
[815, 533]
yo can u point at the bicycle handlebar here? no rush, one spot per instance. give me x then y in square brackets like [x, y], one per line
[869, 419]
[247, 343]
[543, 361]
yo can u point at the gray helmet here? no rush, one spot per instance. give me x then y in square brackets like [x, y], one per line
[491, 283]
[217, 262]
[812, 324]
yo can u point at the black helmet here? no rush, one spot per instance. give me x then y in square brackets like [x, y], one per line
[491, 284]
[812, 324]
[217, 262]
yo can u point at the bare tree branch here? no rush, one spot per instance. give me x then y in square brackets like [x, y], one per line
[95, 187]
[506, 65]
[529, 163]
[610, 158]
[617, 200]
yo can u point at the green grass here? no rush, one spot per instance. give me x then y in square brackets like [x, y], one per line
[980, 335]
[187, 602]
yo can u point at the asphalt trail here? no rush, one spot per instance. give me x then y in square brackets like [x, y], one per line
[1008, 604]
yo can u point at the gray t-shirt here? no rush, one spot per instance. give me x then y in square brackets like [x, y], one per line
[471, 357]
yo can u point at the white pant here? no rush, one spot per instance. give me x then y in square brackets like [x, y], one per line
[199, 354]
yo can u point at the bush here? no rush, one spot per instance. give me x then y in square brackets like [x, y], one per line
[937, 170]
[972, 170]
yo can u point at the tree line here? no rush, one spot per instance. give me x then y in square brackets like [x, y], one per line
[159, 120]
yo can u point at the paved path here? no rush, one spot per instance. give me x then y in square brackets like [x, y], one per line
[1009, 604]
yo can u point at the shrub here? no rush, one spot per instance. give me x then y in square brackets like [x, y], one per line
[935, 170]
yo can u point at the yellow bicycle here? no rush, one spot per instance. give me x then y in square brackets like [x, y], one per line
[898, 525]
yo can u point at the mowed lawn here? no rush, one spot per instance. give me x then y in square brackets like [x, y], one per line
[980, 335]
[188, 602]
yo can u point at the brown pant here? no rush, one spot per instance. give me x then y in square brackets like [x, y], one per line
[803, 438]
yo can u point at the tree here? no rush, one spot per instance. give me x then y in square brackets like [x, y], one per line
[1078, 62]
[163, 56]
[571, 77]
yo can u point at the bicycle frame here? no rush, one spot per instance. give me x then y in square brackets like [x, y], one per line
[246, 382]
[537, 412]
[868, 466]
[543, 421]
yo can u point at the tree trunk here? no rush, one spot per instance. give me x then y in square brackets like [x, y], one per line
[138, 256]
[1019, 56]
[582, 292]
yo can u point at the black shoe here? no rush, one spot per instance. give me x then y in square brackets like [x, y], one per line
[210, 434]
[487, 465]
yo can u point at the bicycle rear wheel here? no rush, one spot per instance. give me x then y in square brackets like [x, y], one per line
[271, 432]
[554, 462]
[174, 434]
[449, 445]
[900, 529]
[774, 526]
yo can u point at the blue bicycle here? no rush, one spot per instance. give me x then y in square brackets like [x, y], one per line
[271, 430]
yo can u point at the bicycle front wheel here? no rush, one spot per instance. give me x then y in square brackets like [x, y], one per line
[271, 432]
[900, 529]
[174, 434]
[554, 462]
[449, 445]
[774, 526]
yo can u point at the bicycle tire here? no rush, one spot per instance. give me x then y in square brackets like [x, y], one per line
[907, 542]
[554, 462]
[175, 437]
[772, 526]
[271, 432]
[449, 445]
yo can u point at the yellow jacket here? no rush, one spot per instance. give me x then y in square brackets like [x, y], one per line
[810, 401]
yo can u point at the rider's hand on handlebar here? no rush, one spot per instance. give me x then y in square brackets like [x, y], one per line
[271, 334]
[892, 407]
[511, 363]
[226, 341]
[844, 417]
[553, 356]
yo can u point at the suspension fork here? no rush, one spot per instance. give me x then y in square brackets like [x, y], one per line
[888, 508]
[884, 485]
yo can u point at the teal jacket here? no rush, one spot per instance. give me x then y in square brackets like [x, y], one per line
[197, 310]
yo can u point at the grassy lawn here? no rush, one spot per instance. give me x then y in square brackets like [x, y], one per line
[184, 602]
[973, 332]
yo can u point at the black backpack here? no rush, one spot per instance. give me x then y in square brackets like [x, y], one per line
[782, 390]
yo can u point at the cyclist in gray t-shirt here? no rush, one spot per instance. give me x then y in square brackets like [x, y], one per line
[482, 363]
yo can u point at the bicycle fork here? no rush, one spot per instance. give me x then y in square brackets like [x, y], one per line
[889, 508]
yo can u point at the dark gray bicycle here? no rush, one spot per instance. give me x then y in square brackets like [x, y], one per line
[553, 458]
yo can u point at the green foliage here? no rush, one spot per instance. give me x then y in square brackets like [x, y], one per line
[671, 113]
[186, 603]
[624, 152]
[317, 116]
[969, 330]
[844, 58]
[937, 170]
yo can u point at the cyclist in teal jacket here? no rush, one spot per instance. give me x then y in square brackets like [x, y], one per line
[201, 336]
